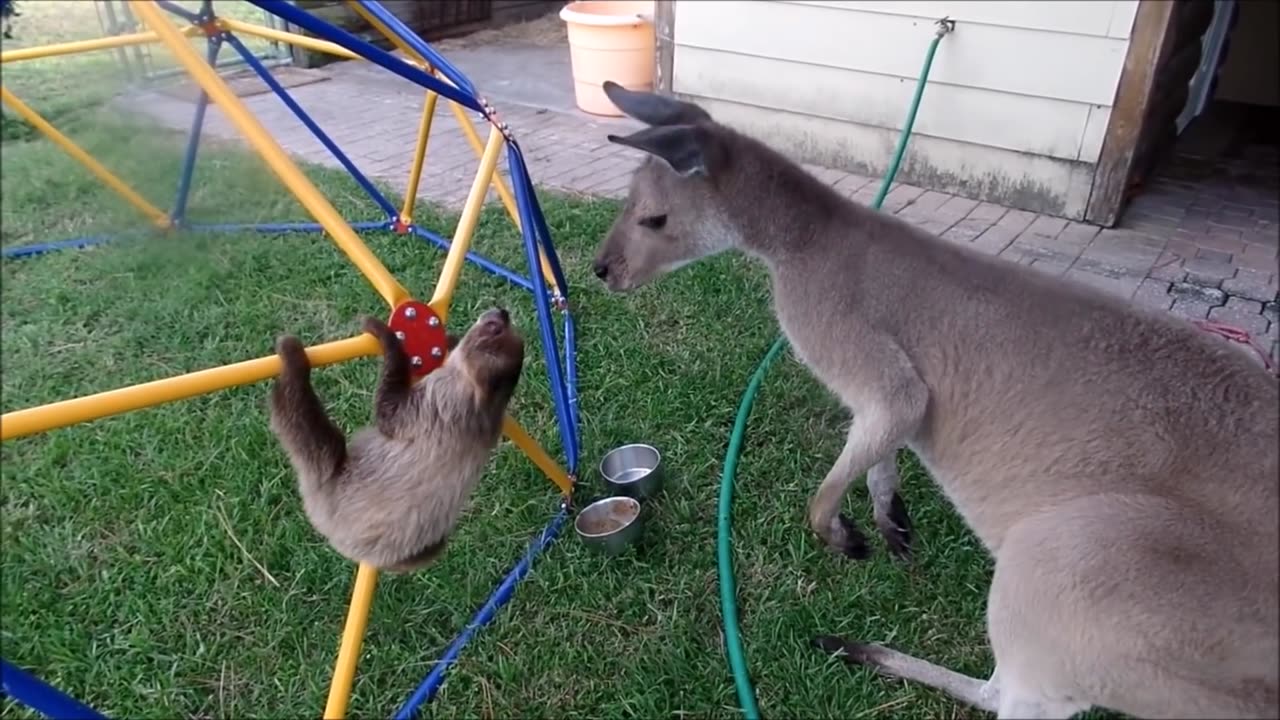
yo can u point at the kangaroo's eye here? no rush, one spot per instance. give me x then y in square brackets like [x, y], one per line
[653, 222]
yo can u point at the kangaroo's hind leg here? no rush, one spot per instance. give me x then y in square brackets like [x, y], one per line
[891, 663]
[1141, 604]
[1122, 602]
[996, 695]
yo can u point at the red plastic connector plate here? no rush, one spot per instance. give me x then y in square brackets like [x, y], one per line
[422, 335]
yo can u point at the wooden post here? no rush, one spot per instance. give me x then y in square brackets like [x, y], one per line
[664, 26]
[1150, 28]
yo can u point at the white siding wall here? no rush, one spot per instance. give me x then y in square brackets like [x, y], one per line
[1015, 110]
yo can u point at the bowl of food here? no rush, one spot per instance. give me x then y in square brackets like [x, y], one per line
[633, 470]
[610, 525]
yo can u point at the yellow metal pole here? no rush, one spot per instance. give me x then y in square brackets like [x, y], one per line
[428, 111]
[344, 671]
[83, 46]
[310, 43]
[500, 185]
[468, 129]
[75, 151]
[473, 139]
[275, 157]
[452, 270]
[419, 155]
[40, 419]
[534, 451]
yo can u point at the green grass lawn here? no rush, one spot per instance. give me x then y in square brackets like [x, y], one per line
[157, 564]
[63, 88]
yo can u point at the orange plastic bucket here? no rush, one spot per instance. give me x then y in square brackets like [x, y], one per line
[609, 40]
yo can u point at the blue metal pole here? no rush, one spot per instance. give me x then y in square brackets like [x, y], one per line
[193, 142]
[397, 26]
[503, 593]
[311, 125]
[368, 51]
[485, 263]
[544, 233]
[571, 374]
[570, 335]
[176, 9]
[541, 299]
[43, 697]
[23, 251]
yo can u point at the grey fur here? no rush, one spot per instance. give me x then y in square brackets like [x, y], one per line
[393, 495]
[1120, 465]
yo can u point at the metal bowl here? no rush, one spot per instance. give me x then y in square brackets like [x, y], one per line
[633, 470]
[610, 525]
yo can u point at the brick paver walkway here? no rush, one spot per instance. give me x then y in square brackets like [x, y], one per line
[1196, 244]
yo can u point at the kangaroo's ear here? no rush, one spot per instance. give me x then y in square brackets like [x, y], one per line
[652, 108]
[688, 149]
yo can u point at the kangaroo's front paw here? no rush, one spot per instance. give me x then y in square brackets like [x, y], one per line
[894, 525]
[842, 536]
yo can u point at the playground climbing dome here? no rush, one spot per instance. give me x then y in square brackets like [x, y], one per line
[422, 323]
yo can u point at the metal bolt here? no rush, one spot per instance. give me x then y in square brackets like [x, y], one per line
[436, 352]
[411, 313]
[415, 361]
[433, 321]
[400, 335]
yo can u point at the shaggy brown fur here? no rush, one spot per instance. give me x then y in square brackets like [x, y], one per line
[391, 497]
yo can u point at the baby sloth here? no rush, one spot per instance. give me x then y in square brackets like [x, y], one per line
[391, 497]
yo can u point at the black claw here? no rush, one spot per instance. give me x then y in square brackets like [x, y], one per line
[849, 653]
[855, 545]
[899, 546]
[898, 540]
[898, 514]
[896, 528]
[829, 644]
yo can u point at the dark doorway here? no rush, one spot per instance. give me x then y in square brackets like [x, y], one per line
[1211, 157]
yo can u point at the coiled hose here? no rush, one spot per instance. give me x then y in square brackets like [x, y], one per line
[724, 542]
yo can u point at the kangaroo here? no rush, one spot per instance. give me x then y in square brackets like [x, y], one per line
[393, 495]
[1119, 465]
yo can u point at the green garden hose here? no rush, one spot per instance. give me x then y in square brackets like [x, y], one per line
[724, 543]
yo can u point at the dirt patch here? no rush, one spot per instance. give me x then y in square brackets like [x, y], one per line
[546, 31]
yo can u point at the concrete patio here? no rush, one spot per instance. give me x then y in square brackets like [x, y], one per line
[1198, 242]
